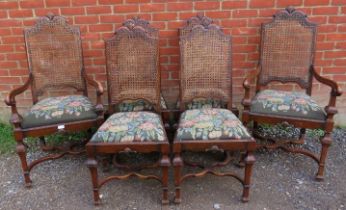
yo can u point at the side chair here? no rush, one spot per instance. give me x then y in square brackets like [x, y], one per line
[135, 124]
[207, 122]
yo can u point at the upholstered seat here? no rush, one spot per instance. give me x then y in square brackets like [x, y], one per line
[56, 110]
[139, 105]
[209, 124]
[202, 103]
[286, 103]
[131, 126]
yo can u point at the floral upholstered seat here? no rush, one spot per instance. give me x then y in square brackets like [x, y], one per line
[202, 103]
[208, 124]
[285, 103]
[131, 126]
[139, 105]
[56, 110]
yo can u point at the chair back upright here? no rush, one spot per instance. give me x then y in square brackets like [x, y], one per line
[287, 49]
[205, 62]
[54, 55]
[133, 64]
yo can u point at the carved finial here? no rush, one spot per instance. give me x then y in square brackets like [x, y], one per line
[135, 21]
[290, 13]
[50, 15]
[201, 20]
[137, 25]
[290, 9]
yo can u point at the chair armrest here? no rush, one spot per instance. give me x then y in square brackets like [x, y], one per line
[10, 100]
[332, 84]
[99, 92]
[246, 84]
[335, 91]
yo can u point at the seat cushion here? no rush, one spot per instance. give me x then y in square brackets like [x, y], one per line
[139, 105]
[57, 110]
[287, 103]
[134, 106]
[130, 127]
[202, 103]
[212, 123]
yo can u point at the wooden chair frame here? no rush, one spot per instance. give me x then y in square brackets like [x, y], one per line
[327, 124]
[245, 145]
[133, 28]
[41, 131]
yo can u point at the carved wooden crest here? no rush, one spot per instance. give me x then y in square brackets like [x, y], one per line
[137, 25]
[199, 20]
[291, 13]
[51, 21]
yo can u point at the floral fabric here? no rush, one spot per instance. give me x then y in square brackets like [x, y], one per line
[202, 103]
[130, 127]
[208, 124]
[56, 110]
[139, 105]
[134, 106]
[286, 103]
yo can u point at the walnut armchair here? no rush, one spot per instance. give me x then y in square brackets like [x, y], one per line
[55, 63]
[134, 124]
[207, 122]
[287, 55]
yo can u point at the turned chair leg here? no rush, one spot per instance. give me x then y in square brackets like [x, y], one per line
[165, 163]
[177, 163]
[243, 155]
[21, 151]
[326, 141]
[92, 164]
[249, 161]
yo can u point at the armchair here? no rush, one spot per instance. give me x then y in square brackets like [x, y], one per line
[287, 56]
[55, 63]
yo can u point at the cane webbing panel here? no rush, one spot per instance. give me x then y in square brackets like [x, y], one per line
[132, 63]
[205, 64]
[287, 49]
[54, 54]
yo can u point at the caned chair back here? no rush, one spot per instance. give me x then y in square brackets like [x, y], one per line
[287, 49]
[54, 55]
[132, 64]
[205, 62]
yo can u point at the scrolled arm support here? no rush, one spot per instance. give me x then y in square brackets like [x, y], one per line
[246, 84]
[335, 92]
[10, 100]
[335, 89]
[99, 92]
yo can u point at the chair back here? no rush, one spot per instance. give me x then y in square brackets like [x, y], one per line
[54, 55]
[287, 49]
[132, 64]
[205, 62]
